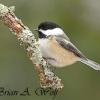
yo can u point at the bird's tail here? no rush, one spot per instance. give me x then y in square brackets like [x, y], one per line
[91, 63]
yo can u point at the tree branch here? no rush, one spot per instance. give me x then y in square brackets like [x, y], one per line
[28, 41]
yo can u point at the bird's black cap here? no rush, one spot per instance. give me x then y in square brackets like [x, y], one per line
[48, 25]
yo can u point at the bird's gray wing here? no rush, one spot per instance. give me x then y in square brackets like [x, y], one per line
[69, 46]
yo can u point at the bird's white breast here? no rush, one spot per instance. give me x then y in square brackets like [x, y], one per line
[51, 49]
[44, 47]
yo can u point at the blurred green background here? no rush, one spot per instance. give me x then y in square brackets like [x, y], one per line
[80, 19]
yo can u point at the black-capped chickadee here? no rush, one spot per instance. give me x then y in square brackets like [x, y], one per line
[57, 48]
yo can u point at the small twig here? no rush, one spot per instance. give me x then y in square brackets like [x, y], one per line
[28, 41]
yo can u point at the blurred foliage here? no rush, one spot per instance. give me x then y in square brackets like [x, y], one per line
[80, 19]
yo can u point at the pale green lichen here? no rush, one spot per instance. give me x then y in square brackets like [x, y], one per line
[56, 81]
[12, 8]
[3, 10]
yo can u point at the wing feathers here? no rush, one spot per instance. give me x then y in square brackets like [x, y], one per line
[69, 46]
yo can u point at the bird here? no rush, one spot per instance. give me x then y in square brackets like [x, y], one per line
[57, 48]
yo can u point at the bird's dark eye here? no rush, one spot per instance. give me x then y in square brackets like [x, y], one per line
[41, 35]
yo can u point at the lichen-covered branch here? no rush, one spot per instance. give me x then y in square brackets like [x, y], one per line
[28, 41]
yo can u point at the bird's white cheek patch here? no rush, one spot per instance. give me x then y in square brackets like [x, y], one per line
[56, 31]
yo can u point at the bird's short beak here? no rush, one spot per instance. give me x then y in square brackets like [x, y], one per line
[36, 30]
